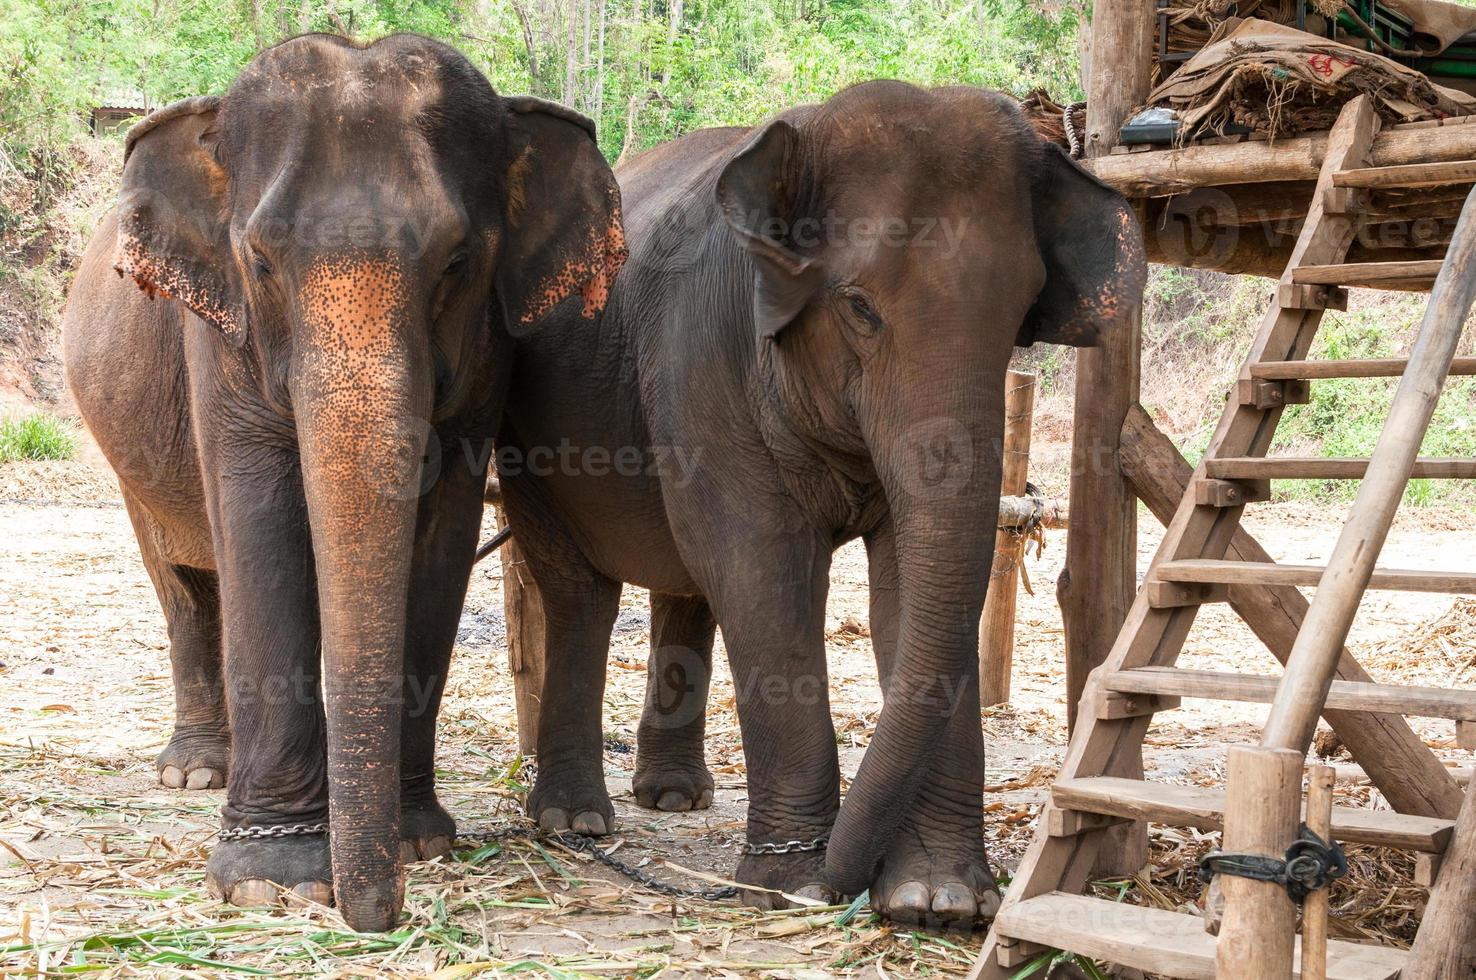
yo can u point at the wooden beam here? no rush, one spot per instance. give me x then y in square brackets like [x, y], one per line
[1100, 577]
[1383, 367]
[1174, 171]
[1409, 175]
[1220, 685]
[1314, 908]
[1394, 757]
[997, 624]
[1328, 468]
[1368, 274]
[1160, 942]
[522, 609]
[1204, 809]
[1311, 577]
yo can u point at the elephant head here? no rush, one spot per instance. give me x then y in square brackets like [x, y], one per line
[902, 241]
[363, 229]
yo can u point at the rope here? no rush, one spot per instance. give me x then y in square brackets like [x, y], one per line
[1310, 864]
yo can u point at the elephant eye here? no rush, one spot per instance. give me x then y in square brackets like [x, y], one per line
[862, 309]
[457, 265]
[260, 266]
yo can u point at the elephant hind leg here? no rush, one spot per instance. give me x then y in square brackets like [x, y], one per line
[671, 771]
[199, 749]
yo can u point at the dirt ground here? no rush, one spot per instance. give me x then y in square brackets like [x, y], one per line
[103, 868]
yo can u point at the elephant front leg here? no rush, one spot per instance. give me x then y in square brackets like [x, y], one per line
[445, 545]
[671, 771]
[277, 775]
[769, 596]
[579, 609]
[936, 872]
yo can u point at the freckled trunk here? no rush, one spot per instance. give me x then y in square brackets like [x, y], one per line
[361, 436]
[944, 522]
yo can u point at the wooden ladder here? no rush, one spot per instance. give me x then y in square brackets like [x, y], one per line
[1044, 908]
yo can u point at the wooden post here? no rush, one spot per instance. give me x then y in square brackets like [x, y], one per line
[1097, 585]
[997, 627]
[1315, 905]
[1100, 577]
[1445, 946]
[522, 609]
[1262, 812]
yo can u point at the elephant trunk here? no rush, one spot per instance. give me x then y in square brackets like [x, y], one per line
[362, 392]
[942, 486]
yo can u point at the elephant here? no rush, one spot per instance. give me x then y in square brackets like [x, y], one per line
[292, 339]
[807, 345]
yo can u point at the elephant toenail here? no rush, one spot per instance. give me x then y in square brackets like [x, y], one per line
[910, 895]
[818, 892]
[674, 801]
[989, 905]
[172, 777]
[954, 901]
[201, 779]
[254, 891]
[212, 885]
[315, 892]
[704, 800]
[437, 846]
[553, 820]
[590, 823]
[408, 853]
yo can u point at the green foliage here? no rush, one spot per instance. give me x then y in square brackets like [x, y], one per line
[36, 436]
[648, 70]
[1346, 416]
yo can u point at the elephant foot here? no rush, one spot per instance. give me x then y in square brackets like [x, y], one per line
[673, 787]
[935, 887]
[427, 831]
[801, 873]
[569, 802]
[195, 758]
[272, 871]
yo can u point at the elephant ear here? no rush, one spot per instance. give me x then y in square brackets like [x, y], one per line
[562, 232]
[173, 228]
[1092, 248]
[757, 193]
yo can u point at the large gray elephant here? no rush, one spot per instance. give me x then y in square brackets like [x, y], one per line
[808, 345]
[292, 339]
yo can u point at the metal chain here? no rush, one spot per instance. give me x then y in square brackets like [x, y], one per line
[276, 830]
[788, 847]
[591, 846]
[575, 842]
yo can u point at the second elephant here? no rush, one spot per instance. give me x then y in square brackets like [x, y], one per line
[808, 345]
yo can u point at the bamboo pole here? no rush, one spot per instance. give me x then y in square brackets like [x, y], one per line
[997, 626]
[1314, 656]
[1314, 906]
[1262, 811]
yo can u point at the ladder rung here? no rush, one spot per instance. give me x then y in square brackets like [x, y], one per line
[1318, 468]
[1157, 941]
[1408, 175]
[1384, 367]
[1204, 809]
[1273, 573]
[1219, 685]
[1370, 274]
